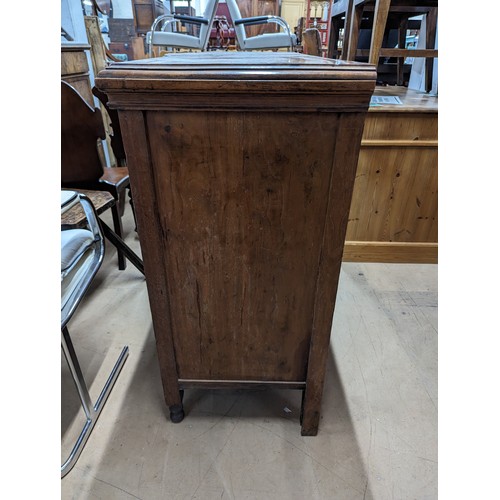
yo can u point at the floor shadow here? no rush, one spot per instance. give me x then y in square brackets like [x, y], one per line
[144, 418]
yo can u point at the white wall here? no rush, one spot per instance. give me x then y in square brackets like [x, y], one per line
[122, 9]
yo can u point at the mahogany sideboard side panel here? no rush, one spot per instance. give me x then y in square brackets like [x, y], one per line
[242, 186]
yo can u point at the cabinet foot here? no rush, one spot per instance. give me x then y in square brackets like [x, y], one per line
[176, 413]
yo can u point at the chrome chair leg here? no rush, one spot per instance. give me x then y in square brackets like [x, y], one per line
[92, 411]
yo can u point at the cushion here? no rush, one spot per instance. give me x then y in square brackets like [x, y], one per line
[170, 39]
[269, 40]
[74, 242]
[68, 199]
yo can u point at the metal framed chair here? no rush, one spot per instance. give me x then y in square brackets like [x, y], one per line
[265, 41]
[82, 252]
[158, 36]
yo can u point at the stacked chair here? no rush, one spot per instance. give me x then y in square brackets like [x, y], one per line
[158, 36]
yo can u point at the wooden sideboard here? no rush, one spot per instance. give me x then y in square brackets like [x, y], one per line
[394, 210]
[242, 167]
[75, 69]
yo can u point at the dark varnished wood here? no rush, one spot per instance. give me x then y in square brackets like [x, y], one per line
[243, 168]
[81, 167]
[152, 240]
[81, 127]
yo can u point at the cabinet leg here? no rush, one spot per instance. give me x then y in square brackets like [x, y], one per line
[309, 413]
[301, 417]
[177, 410]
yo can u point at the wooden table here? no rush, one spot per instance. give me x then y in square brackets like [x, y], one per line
[75, 218]
[394, 209]
[242, 166]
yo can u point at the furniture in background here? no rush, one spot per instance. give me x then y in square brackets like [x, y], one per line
[81, 166]
[174, 40]
[283, 39]
[124, 40]
[75, 218]
[75, 68]
[187, 10]
[382, 16]
[258, 8]
[242, 189]
[100, 58]
[116, 139]
[318, 17]
[82, 252]
[222, 35]
[75, 71]
[394, 209]
[145, 12]
[311, 41]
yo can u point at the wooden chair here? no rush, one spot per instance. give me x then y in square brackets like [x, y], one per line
[379, 16]
[311, 40]
[81, 167]
[116, 139]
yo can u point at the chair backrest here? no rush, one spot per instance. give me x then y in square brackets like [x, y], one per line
[208, 13]
[81, 127]
[239, 29]
[116, 138]
[312, 42]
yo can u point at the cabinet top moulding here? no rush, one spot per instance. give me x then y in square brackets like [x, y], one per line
[239, 80]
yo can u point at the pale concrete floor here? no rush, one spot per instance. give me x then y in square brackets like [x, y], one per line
[378, 430]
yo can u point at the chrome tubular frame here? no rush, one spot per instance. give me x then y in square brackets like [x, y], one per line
[170, 18]
[92, 411]
[281, 22]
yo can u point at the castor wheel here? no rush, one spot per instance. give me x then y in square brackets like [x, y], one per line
[176, 413]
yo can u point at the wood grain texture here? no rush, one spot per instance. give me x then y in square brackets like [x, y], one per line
[255, 8]
[344, 156]
[152, 246]
[240, 246]
[242, 210]
[99, 62]
[390, 251]
[75, 69]
[395, 195]
[395, 199]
